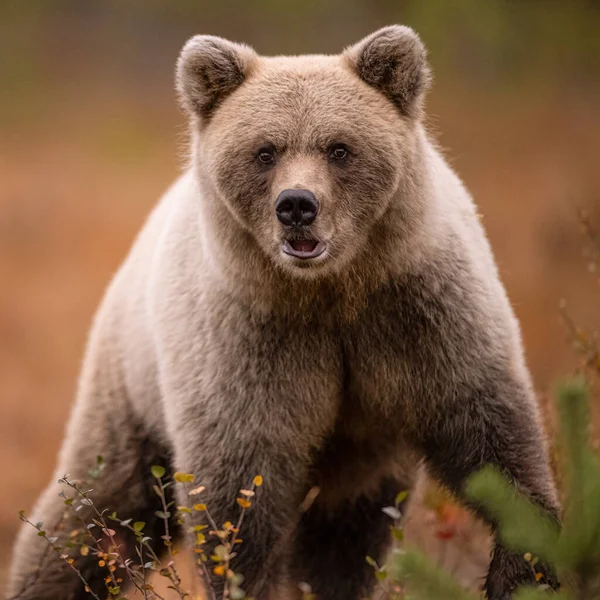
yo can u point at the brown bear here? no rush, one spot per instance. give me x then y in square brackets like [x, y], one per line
[315, 301]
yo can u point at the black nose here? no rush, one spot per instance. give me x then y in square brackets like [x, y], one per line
[296, 207]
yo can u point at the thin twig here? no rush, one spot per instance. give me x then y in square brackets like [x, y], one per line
[106, 530]
[176, 580]
[69, 561]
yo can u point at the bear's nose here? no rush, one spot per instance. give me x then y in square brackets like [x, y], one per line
[296, 207]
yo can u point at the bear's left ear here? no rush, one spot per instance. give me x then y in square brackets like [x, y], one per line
[208, 70]
[394, 61]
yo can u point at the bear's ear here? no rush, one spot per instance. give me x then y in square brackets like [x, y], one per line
[394, 61]
[208, 70]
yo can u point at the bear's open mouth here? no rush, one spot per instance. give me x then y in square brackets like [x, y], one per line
[303, 248]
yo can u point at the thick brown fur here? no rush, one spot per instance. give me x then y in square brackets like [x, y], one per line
[342, 372]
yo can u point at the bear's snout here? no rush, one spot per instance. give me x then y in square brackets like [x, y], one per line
[296, 208]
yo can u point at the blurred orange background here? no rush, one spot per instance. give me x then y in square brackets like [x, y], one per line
[90, 136]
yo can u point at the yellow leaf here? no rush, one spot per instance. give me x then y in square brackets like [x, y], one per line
[258, 481]
[228, 525]
[244, 503]
[84, 550]
[219, 570]
[101, 563]
[70, 561]
[538, 576]
[199, 506]
[183, 477]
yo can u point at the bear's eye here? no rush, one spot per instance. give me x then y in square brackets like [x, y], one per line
[266, 156]
[338, 152]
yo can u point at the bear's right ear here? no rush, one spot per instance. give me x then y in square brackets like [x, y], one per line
[208, 70]
[394, 61]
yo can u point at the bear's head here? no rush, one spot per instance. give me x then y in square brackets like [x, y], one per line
[309, 153]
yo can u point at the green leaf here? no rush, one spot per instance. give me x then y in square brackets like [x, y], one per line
[579, 543]
[537, 593]
[425, 579]
[162, 515]
[139, 525]
[511, 509]
[401, 497]
[397, 534]
[236, 593]
[371, 562]
[392, 512]
[381, 575]
[158, 471]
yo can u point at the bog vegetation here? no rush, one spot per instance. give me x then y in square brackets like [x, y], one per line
[573, 548]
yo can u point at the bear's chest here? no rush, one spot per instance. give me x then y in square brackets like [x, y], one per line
[395, 359]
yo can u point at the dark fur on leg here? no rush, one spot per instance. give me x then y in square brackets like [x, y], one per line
[332, 544]
[131, 497]
[508, 570]
[493, 431]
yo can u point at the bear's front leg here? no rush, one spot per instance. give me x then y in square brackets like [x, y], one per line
[268, 524]
[498, 425]
[261, 404]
